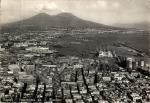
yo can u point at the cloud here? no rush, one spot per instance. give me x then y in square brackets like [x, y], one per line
[116, 4]
[105, 5]
[101, 11]
[102, 4]
[51, 6]
[46, 6]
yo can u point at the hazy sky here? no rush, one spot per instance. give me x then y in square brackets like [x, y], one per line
[102, 11]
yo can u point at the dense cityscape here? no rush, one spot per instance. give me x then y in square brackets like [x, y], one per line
[32, 71]
[74, 51]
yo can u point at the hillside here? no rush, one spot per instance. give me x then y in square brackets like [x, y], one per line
[60, 20]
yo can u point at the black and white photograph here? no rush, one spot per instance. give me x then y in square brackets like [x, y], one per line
[74, 51]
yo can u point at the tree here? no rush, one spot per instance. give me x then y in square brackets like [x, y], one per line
[14, 97]
[22, 70]
[18, 97]
[78, 88]
[15, 80]
[95, 78]
[76, 76]
[53, 94]
[62, 93]
[36, 88]
[23, 90]
[6, 91]
[43, 98]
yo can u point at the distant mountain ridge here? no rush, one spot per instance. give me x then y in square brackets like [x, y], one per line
[140, 25]
[59, 20]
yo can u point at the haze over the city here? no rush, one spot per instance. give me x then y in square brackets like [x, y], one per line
[101, 11]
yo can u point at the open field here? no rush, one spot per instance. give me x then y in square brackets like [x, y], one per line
[76, 45]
